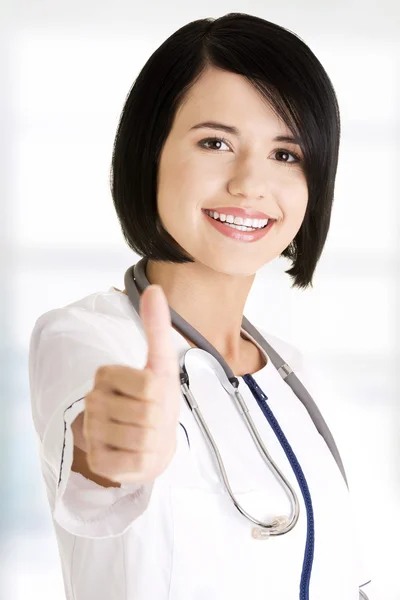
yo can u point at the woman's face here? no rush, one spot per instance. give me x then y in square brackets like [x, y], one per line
[247, 170]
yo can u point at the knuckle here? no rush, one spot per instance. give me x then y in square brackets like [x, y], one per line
[93, 430]
[107, 375]
[93, 398]
[102, 372]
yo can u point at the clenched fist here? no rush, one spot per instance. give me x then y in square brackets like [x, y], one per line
[131, 415]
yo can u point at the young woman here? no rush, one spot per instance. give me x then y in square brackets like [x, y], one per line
[225, 158]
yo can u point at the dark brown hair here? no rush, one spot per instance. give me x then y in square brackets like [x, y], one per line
[287, 74]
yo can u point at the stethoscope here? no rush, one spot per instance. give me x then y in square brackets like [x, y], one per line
[136, 281]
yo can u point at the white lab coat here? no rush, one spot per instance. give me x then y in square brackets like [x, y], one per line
[181, 537]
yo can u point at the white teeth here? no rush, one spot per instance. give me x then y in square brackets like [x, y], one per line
[238, 221]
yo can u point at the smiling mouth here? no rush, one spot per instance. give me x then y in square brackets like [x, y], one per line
[240, 233]
[237, 226]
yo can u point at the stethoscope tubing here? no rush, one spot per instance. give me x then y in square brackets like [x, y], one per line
[135, 282]
[279, 525]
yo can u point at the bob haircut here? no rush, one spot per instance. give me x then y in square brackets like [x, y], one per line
[286, 74]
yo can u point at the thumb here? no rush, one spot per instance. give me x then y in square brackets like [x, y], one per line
[162, 358]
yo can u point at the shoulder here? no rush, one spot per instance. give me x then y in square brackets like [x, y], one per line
[99, 307]
[104, 320]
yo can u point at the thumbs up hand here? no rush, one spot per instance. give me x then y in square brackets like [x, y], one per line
[131, 415]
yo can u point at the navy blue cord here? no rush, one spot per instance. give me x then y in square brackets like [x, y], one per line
[309, 549]
[187, 437]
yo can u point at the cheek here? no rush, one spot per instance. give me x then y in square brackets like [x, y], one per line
[293, 208]
[183, 189]
[297, 217]
[176, 204]
[169, 191]
[300, 210]
[295, 201]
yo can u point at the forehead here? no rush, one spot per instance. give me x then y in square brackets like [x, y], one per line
[228, 97]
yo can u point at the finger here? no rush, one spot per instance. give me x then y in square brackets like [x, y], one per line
[119, 465]
[121, 380]
[123, 409]
[122, 436]
[162, 358]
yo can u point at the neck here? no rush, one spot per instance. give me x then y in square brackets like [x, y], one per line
[212, 302]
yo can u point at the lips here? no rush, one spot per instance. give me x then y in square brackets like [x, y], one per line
[229, 222]
[236, 234]
[245, 213]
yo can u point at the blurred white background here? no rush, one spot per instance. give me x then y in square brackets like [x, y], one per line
[65, 70]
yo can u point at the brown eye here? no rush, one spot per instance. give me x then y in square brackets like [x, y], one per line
[296, 157]
[213, 140]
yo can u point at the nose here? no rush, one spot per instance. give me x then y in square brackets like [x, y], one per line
[249, 180]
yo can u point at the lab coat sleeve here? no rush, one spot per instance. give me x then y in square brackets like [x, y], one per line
[65, 352]
[316, 386]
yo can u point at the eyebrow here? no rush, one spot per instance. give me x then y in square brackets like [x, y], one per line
[235, 131]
